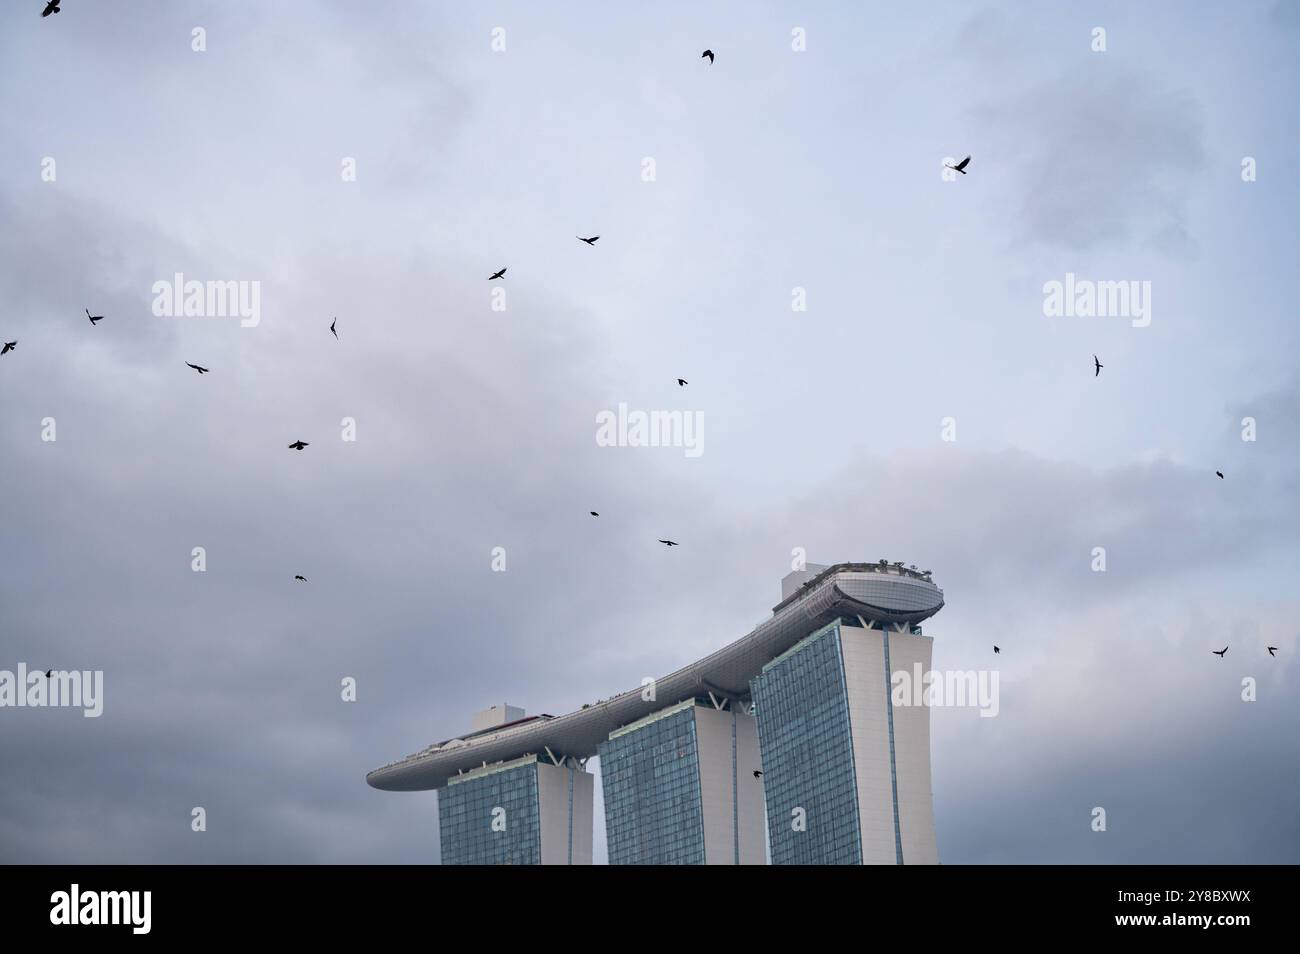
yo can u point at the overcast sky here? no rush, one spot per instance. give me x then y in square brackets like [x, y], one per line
[775, 169]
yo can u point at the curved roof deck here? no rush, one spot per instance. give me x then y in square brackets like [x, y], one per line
[881, 592]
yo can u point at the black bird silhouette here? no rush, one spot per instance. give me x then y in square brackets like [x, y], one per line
[594, 514]
[497, 274]
[9, 346]
[996, 650]
[301, 577]
[961, 166]
[708, 53]
[1219, 652]
[332, 331]
[298, 445]
[1272, 650]
[1219, 474]
[681, 382]
[669, 543]
[49, 674]
[757, 773]
[196, 368]
[51, 7]
[590, 241]
[93, 318]
[1098, 364]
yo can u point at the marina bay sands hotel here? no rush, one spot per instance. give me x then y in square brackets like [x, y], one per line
[784, 744]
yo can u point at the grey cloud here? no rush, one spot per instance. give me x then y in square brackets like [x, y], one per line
[1102, 159]
[1091, 154]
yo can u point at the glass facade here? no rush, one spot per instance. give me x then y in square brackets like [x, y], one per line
[650, 775]
[469, 806]
[893, 759]
[801, 701]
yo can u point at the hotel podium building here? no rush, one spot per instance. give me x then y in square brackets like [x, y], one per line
[792, 726]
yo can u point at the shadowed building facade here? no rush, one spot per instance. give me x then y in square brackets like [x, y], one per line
[846, 772]
[524, 812]
[679, 787]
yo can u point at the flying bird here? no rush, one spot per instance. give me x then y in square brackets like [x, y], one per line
[594, 514]
[49, 674]
[1098, 364]
[497, 274]
[996, 650]
[1272, 650]
[1219, 652]
[9, 346]
[196, 368]
[681, 382]
[589, 241]
[708, 53]
[1219, 474]
[51, 7]
[298, 445]
[332, 331]
[669, 543]
[961, 166]
[301, 577]
[93, 318]
[757, 774]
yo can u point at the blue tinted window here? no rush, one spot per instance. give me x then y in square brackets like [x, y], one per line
[801, 702]
[465, 814]
[651, 782]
